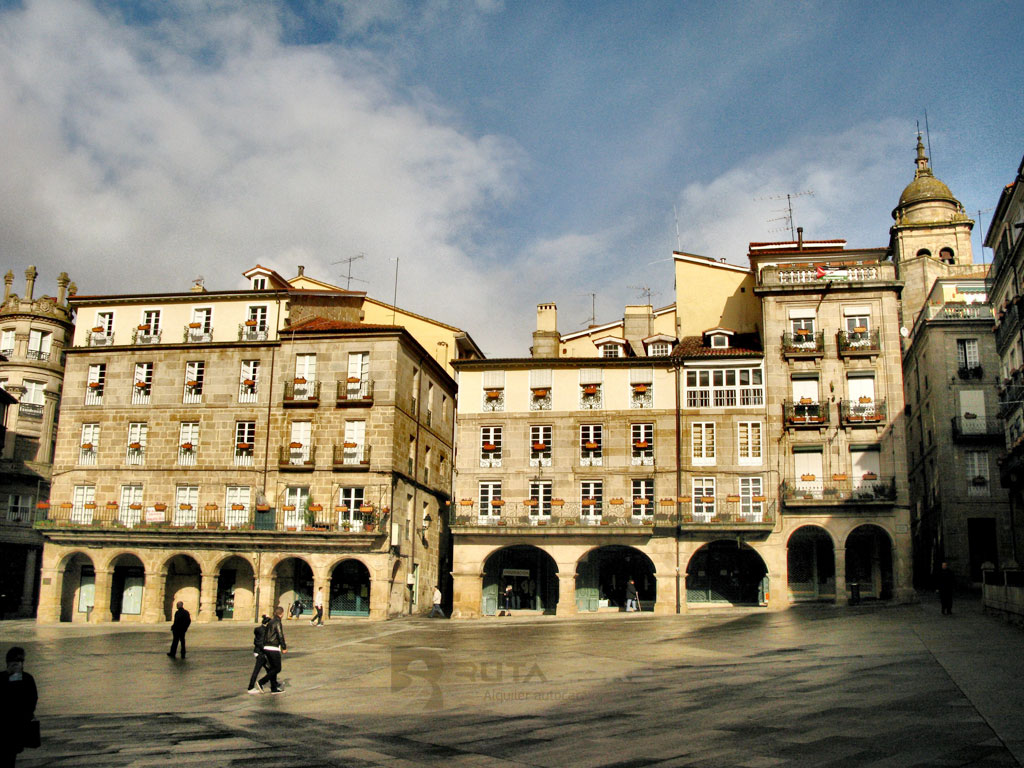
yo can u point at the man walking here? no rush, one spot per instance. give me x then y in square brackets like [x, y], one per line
[179, 627]
[259, 637]
[631, 604]
[318, 606]
[946, 581]
[273, 647]
[436, 610]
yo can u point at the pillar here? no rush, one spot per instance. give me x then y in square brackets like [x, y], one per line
[101, 597]
[665, 599]
[28, 586]
[266, 586]
[467, 594]
[840, 575]
[153, 598]
[566, 591]
[51, 588]
[207, 597]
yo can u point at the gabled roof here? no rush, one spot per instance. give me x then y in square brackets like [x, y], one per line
[276, 280]
[744, 345]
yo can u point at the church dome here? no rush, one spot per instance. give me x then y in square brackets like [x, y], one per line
[925, 188]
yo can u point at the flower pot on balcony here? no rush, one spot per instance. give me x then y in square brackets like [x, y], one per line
[141, 384]
[299, 380]
[685, 499]
[365, 508]
[641, 502]
[43, 505]
[603, 522]
[616, 501]
[590, 389]
[369, 527]
[540, 393]
[707, 499]
[66, 505]
[758, 499]
[489, 447]
[493, 394]
[135, 446]
[803, 332]
[244, 446]
[191, 384]
[90, 505]
[591, 446]
[86, 446]
[237, 507]
[839, 478]
[465, 502]
[194, 326]
[589, 502]
[497, 502]
[733, 498]
[295, 446]
[810, 478]
[540, 446]
[187, 446]
[316, 508]
[112, 505]
[864, 399]
[94, 385]
[185, 507]
[98, 329]
[529, 502]
[870, 476]
[353, 380]
[542, 522]
[250, 323]
[262, 507]
[639, 388]
[641, 444]
[249, 383]
[859, 329]
[501, 522]
[568, 522]
[558, 502]
[144, 328]
[806, 401]
[288, 507]
[648, 522]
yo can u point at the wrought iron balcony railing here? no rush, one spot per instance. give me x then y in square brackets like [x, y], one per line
[853, 343]
[803, 344]
[861, 413]
[839, 489]
[805, 413]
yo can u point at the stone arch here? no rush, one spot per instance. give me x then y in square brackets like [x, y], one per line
[811, 564]
[293, 583]
[531, 572]
[727, 571]
[947, 256]
[924, 252]
[127, 584]
[602, 573]
[77, 574]
[351, 583]
[182, 576]
[869, 561]
[236, 588]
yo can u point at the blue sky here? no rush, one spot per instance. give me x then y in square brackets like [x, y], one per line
[506, 153]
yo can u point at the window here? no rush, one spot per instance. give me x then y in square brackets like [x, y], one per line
[104, 324]
[494, 391]
[195, 371]
[304, 384]
[702, 443]
[857, 324]
[257, 314]
[7, 342]
[719, 340]
[300, 449]
[245, 442]
[802, 327]
[590, 445]
[412, 455]
[426, 464]
[643, 496]
[808, 468]
[751, 500]
[444, 409]
[490, 446]
[90, 444]
[592, 498]
[641, 440]
[430, 401]
[186, 505]
[659, 349]
[249, 381]
[861, 391]
[201, 327]
[591, 380]
[39, 345]
[416, 389]
[259, 283]
[33, 400]
[349, 502]
[749, 442]
[151, 320]
[611, 350]
[865, 469]
[967, 354]
[19, 507]
[129, 508]
[641, 385]
[489, 492]
[94, 384]
[703, 499]
[296, 497]
[976, 466]
[540, 446]
[83, 503]
[142, 383]
[188, 443]
[540, 492]
[137, 432]
[540, 389]
[358, 381]
[236, 505]
[724, 387]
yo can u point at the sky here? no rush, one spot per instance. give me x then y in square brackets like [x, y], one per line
[492, 155]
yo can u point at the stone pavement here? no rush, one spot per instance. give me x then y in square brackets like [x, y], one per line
[876, 685]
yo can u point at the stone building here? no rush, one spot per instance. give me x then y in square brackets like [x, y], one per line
[34, 333]
[1005, 235]
[241, 449]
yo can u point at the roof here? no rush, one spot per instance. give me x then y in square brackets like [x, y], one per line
[321, 324]
[925, 187]
[745, 345]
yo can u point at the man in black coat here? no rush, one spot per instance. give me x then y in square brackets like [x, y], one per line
[17, 706]
[946, 583]
[179, 627]
[273, 647]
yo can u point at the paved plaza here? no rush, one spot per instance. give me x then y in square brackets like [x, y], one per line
[876, 685]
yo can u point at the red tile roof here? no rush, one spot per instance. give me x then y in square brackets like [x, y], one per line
[743, 345]
[326, 324]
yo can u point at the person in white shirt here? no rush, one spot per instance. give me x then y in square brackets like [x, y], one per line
[318, 606]
[436, 610]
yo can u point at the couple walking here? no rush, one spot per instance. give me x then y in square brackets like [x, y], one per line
[268, 647]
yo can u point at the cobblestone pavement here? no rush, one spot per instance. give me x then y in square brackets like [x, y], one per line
[897, 686]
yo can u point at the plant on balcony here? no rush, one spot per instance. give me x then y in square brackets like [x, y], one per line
[870, 476]
[540, 446]
[144, 327]
[288, 507]
[98, 329]
[864, 399]
[810, 478]
[707, 499]
[262, 507]
[112, 505]
[591, 446]
[250, 323]
[184, 507]
[141, 384]
[194, 326]
[759, 499]
[135, 446]
[86, 446]
[350, 445]
[294, 445]
[558, 502]
[732, 497]
[641, 502]
[66, 505]
[590, 390]
[497, 502]
[589, 502]
[803, 332]
[540, 392]
[354, 380]
[489, 447]
[685, 499]
[43, 505]
[528, 502]
[244, 446]
[191, 384]
[94, 385]
[641, 444]
[639, 388]
[187, 446]
[493, 394]
[90, 505]
[250, 383]
[806, 401]
[859, 329]
[839, 478]
[617, 501]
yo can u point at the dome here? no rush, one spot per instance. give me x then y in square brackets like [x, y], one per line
[925, 188]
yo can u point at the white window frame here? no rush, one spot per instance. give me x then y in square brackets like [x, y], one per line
[487, 492]
[188, 433]
[976, 464]
[641, 433]
[91, 437]
[750, 443]
[195, 370]
[245, 434]
[237, 495]
[130, 494]
[540, 434]
[642, 488]
[704, 487]
[97, 375]
[249, 370]
[591, 433]
[491, 435]
[750, 488]
[540, 491]
[137, 433]
[592, 489]
[703, 448]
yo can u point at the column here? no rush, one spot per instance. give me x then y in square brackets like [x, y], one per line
[51, 588]
[467, 593]
[153, 598]
[101, 597]
[566, 590]
[208, 597]
[665, 601]
[28, 584]
[267, 586]
[840, 575]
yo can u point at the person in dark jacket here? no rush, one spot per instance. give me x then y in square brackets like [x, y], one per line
[259, 638]
[179, 627]
[274, 647]
[631, 603]
[946, 581]
[18, 699]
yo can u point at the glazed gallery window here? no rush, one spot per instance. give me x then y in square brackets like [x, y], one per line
[724, 387]
[489, 491]
[749, 442]
[702, 442]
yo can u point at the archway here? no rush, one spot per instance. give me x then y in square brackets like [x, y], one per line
[236, 590]
[293, 583]
[532, 574]
[869, 562]
[602, 575]
[78, 584]
[725, 571]
[811, 565]
[183, 584]
[127, 582]
[350, 589]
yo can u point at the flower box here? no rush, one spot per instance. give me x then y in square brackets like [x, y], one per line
[685, 499]
[237, 507]
[806, 401]
[810, 478]
[316, 508]
[250, 323]
[98, 329]
[465, 502]
[979, 480]
[288, 507]
[187, 446]
[589, 502]
[90, 505]
[540, 446]
[839, 478]
[195, 325]
[185, 507]
[493, 394]
[568, 522]
[295, 445]
[299, 380]
[648, 522]
[353, 380]
[94, 385]
[341, 508]
[707, 499]
[803, 332]
[864, 399]
[210, 507]
[66, 505]
[135, 446]
[542, 522]
[501, 522]
[641, 444]
[489, 447]
[160, 507]
[192, 384]
[350, 445]
[366, 508]
[262, 507]
[497, 502]
[530, 503]
[603, 521]
[732, 497]
[859, 329]
[86, 446]
[43, 505]
[667, 502]
[558, 502]
[591, 446]
[759, 499]
[870, 476]
[639, 388]
[540, 392]
[969, 415]
[141, 384]
[616, 501]
[590, 389]
[244, 446]
[641, 502]
[248, 382]
[144, 328]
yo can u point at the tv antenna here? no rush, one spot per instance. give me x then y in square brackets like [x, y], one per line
[592, 320]
[787, 216]
[981, 232]
[679, 244]
[348, 261]
[644, 290]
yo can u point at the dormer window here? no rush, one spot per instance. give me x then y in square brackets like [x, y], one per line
[718, 338]
[259, 283]
[611, 346]
[611, 350]
[659, 349]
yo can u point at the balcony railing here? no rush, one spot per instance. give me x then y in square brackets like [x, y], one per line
[147, 337]
[296, 458]
[248, 332]
[35, 354]
[21, 517]
[31, 410]
[359, 392]
[604, 515]
[348, 456]
[302, 393]
[840, 489]
[970, 427]
[100, 339]
[971, 372]
[854, 343]
[726, 511]
[197, 335]
[779, 276]
[1007, 324]
[803, 345]
[857, 413]
[805, 415]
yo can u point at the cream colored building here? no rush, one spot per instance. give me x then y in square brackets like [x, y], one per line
[239, 450]
[34, 332]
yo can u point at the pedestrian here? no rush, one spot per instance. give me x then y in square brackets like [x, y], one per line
[274, 647]
[17, 706]
[318, 606]
[946, 580]
[259, 636]
[509, 600]
[631, 604]
[179, 627]
[436, 610]
[296, 609]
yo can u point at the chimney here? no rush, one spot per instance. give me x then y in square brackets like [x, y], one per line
[638, 322]
[545, 338]
[799, 238]
[8, 282]
[30, 282]
[62, 286]
[302, 270]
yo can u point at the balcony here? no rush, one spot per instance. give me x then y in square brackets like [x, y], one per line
[840, 490]
[858, 343]
[560, 518]
[100, 338]
[36, 354]
[810, 277]
[1007, 324]
[861, 413]
[351, 457]
[296, 457]
[805, 414]
[300, 393]
[144, 335]
[30, 410]
[754, 513]
[250, 330]
[803, 345]
[354, 393]
[971, 428]
[195, 333]
[969, 372]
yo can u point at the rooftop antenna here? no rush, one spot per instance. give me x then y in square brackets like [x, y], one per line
[788, 215]
[928, 136]
[644, 290]
[981, 232]
[679, 244]
[348, 261]
[592, 320]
